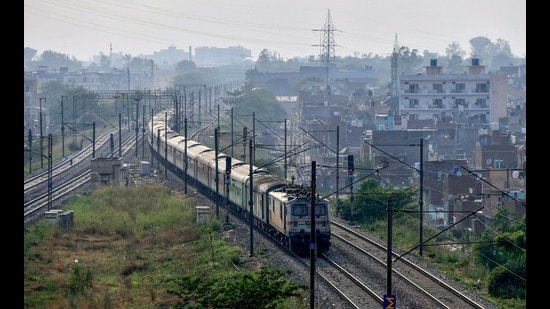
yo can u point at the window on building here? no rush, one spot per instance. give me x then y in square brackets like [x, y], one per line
[482, 88]
[481, 102]
[438, 88]
[460, 88]
[437, 103]
[413, 103]
[459, 102]
[414, 88]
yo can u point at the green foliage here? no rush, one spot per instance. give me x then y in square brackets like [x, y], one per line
[509, 244]
[34, 236]
[54, 60]
[266, 288]
[493, 263]
[76, 100]
[199, 76]
[185, 66]
[136, 237]
[371, 202]
[508, 281]
[260, 101]
[130, 211]
[505, 257]
[80, 280]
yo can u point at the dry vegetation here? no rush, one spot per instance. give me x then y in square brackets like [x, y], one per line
[124, 246]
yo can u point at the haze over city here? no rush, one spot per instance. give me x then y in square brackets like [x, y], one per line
[85, 28]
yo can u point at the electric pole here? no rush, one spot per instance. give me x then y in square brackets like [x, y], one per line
[327, 53]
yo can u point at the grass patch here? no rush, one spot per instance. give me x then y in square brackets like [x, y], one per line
[125, 246]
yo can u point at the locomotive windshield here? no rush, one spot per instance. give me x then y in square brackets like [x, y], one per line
[320, 210]
[300, 210]
[303, 210]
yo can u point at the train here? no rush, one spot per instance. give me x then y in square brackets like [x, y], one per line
[280, 208]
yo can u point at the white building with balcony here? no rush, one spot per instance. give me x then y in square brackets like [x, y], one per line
[473, 97]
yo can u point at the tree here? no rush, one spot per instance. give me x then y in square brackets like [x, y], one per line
[370, 201]
[263, 64]
[409, 60]
[104, 63]
[185, 66]
[455, 56]
[480, 47]
[501, 54]
[55, 60]
[52, 91]
[262, 102]
[198, 76]
[503, 252]
[28, 53]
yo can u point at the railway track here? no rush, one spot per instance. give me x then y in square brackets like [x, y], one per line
[365, 258]
[36, 180]
[69, 176]
[354, 268]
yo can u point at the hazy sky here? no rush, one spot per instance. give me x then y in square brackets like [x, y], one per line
[85, 28]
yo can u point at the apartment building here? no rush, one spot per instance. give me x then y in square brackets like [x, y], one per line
[475, 97]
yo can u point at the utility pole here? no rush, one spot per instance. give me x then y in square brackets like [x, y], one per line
[350, 177]
[337, 164]
[30, 151]
[251, 201]
[166, 144]
[41, 135]
[253, 157]
[200, 96]
[185, 155]
[421, 197]
[62, 128]
[217, 177]
[389, 250]
[138, 98]
[143, 133]
[112, 143]
[285, 152]
[151, 148]
[232, 135]
[312, 240]
[50, 184]
[244, 144]
[93, 139]
[120, 135]
[227, 184]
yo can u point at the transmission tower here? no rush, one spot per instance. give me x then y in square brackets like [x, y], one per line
[394, 55]
[327, 46]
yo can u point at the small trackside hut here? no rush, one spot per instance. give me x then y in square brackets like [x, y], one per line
[108, 171]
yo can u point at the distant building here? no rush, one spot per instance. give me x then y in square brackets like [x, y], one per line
[476, 97]
[169, 58]
[216, 56]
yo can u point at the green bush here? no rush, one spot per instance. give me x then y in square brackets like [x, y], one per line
[506, 281]
[80, 280]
